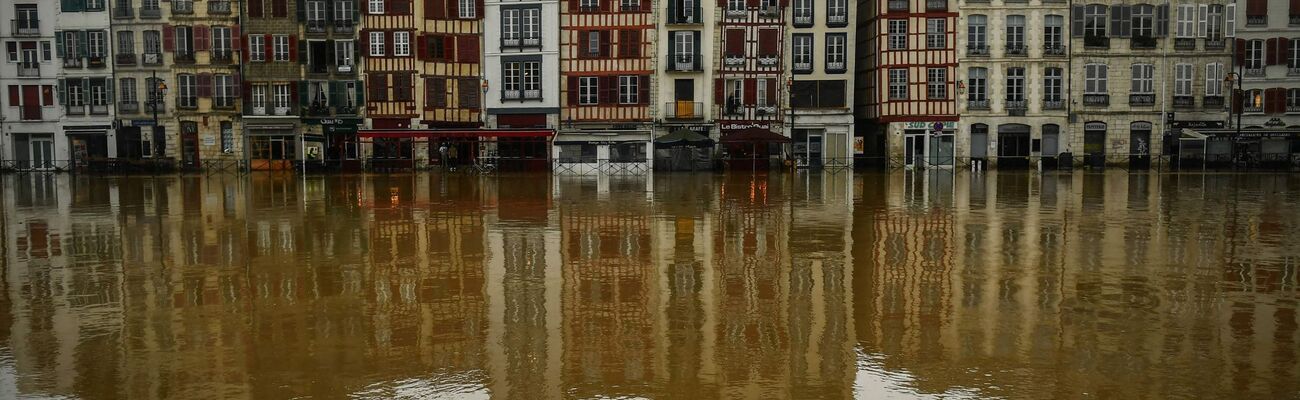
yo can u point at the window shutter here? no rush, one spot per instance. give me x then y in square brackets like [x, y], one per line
[1162, 20]
[205, 85]
[1256, 7]
[573, 90]
[236, 85]
[609, 87]
[751, 91]
[643, 90]
[255, 8]
[58, 44]
[478, 9]
[672, 52]
[718, 90]
[1230, 20]
[202, 39]
[362, 45]
[771, 92]
[430, 9]
[1283, 45]
[336, 92]
[1116, 21]
[169, 38]
[1295, 8]
[767, 39]
[63, 92]
[453, 8]
[751, 3]
[235, 38]
[467, 48]
[735, 42]
[1202, 20]
[302, 10]
[243, 40]
[296, 50]
[279, 8]
[298, 94]
[269, 46]
[1076, 21]
[13, 95]
[421, 47]
[1241, 51]
[1270, 51]
[696, 55]
[605, 43]
[83, 45]
[624, 44]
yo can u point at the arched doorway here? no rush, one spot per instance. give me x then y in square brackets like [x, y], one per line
[1051, 145]
[1013, 146]
[979, 143]
[1139, 153]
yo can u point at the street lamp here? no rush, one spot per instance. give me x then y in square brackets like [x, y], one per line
[156, 98]
[1238, 97]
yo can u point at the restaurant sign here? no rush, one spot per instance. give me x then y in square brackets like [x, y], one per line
[930, 125]
[1199, 124]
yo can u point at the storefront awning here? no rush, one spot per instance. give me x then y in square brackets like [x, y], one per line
[752, 135]
[455, 133]
[1252, 133]
[683, 136]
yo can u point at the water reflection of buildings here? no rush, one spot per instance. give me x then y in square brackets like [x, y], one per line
[1062, 284]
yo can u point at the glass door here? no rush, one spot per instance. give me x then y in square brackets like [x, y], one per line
[42, 152]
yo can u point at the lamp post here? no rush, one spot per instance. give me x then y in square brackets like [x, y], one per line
[157, 97]
[1230, 78]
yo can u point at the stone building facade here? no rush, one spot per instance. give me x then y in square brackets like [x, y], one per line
[331, 91]
[819, 56]
[146, 129]
[205, 47]
[270, 88]
[1267, 58]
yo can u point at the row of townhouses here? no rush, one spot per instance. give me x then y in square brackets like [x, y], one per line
[628, 85]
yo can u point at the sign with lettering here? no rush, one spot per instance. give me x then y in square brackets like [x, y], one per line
[1200, 124]
[142, 122]
[1094, 126]
[930, 125]
[209, 140]
[743, 126]
[859, 145]
[1140, 126]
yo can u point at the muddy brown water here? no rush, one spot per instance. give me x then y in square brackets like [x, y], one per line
[832, 285]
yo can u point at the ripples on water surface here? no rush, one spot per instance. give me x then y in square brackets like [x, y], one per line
[681, 286]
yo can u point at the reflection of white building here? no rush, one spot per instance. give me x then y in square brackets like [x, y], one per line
[29, 127]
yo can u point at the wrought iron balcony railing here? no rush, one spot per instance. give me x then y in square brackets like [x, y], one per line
[1184, 101]
[1053, 104]
[1016, 50]
[980, 50]
[219, 7]
[684, 110]
[1053, 49]
[25, 27]
[124, 59]
[1096, 99]
[1017, 108]
[128, 107]
[1141, 99]
[977, 104]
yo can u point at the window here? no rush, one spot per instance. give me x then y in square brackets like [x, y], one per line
[898, 84]
[1214, 79]
[803, 12]
[187, 91]
[465, 9]
[587, 90]
[281, 47]
[1094, 79]
[628, 87]
[803, 56]
[737, 5]
[533, 80]
[281, 98]
[521, 80]
[1053, 31]
[1015, 84]
[227, 136]
[403, 87]
[837, 12]
[98, 93]
[760, 93]
[1214, 22]
[976, 31]
[1015, 33]
[376, 44]
[1144, 21]
[72, 42]
[1255, 54]
[684, 51]
[315, 11]
[76, 98]
[376, 6]
[256, 42]
[630, 5]
[593, 43]
[126, 91]
[898, 34]
[1052, 84]
[343, 10]
[533, 26]
[125, 42]
[1183, 80]
[835, 49]
[1143, 79]
[184, 40]
[343, 52]
[1185, 25]
[936, 86]
[936, 33]
[589, 5]
[152, 42]
[1292, 100]
[510, 81]
[155, 93]
[225, 91]
[977, 84]
[1094, 20]
[45, 51]
[402, 44]
[1253, 102]
[258, 98]
[510, 27]
[221, 41]
[735, 92]
[1293, 54]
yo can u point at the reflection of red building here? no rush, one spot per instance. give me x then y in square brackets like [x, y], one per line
[747, 84]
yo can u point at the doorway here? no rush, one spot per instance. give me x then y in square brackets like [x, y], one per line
[1051, 146]
[189, 144]
[914, 149]
[1013, 146]
[1094, 144]
[1139, 145]
[808, 147]
[40, 152]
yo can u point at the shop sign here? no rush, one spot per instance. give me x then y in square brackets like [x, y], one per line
[1199, 124]
[1140, 126]
[859, 145]
[142, 122]
[700, 129]
[740, 126]
[271, 126]
[1094, 126]
[930, 125]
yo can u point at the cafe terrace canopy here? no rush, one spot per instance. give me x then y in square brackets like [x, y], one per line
[683, 137]
[753, 135]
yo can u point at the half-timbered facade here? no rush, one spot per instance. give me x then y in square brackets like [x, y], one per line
[747, 84]
[271, 71]
[388, 42]
[451, 76]
[330, 92]
[606, 69]
[910, 85]
[204, 42]
[819, 57]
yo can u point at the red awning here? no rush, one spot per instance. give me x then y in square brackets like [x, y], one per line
[455, 133]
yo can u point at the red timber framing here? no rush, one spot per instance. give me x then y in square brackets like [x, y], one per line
[447, 49]
[391, 75]
[606, 60]
[505, 149]
[748, 87]
[917, 58]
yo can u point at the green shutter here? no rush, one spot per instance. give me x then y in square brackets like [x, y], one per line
[303, 97]
[302, 11]
[672, 55]
[336, 90]
[58, 43]
[302, 52]
[73, 5]
[361, 97]
[108, 90]
[83, 44]
[63, 92]
[85, 91]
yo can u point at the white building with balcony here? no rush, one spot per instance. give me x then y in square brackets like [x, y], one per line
[85, 82]
[30, 131]
[521, 63]
[1267, 58]
[819, 53]
[684, 92]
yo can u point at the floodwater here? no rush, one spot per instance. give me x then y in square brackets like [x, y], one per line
[902, 285]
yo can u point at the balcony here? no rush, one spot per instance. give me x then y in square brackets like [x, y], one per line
[1255, 71]
[31, 113]
[99, 109]
[123, 11]
[768, 60]
[977, 104]
[280, 110]
[1096, 42]
[1099, 100]
[837, 20]
[128, 107]
[535, 94]
[1056, 104]
[684, 110]
[72, 63]
[1017, 108]
[224, 103]
[1016, 50]
[977, 50]
[1053, 49]
[1293, 20]
[775, 11]
[318, 68]
[158, 106]
[685, 62]
[521, 94]
[1292, 109]
[218, 7]
[732, 60]
[735, 12]
[898, 5]
[124, 59]
[835, 66]
[316, 26]
[150, 13]
[25, 27]
[1293, 71]
[1141, 99]
[802, 66]
[1184, 101]
[531, 41]
[1142, 43]
[346, 109]
[1253, 108]
[221, 56]
[936, 5]
[182, 7]
[29, 69]
[1212, 102]
[152, 59]
[1256, 20]
[683, 17]
[183, 57]
[343, 26]
[257, 110]
[1215, 44]
[803, 19]
[79, 109]
[1185, 44]
[733, 107]
[318, 109]
[96, 62]
[765, 109]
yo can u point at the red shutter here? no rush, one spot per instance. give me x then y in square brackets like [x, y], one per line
[1283, 51]
[169, 38]
[245, 92]
[234, 81]
[255, 8]
[771, 92]
[293, 93]
[421, 47]
[47, 95]
[605, 43]
[478, 9]
[13, 95]
[751, 91]
[279, 8]
[267, 41]
[244, 39]
[467, 49]
[573, 6]
[202, 38]
[1270, 51]
[429, 6]
[609, 89]
[767, 39]
[453, 8]
[722, 3]
[1278, 101]
[363, 41]
[573, 90]
[643, 90]
[751, 3]
[1241, 53]
[629, 44]
[735, 42]
[205, 85]
[1256, 7]
[718, 90]
[293, 48]
[1295, 8]
[235, 38]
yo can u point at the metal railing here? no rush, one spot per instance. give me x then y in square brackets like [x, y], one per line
[685, 62]
[1142, 42]
[223, 102]
[977, 104]
[1253, 109]
[1141, 99]
[183, 56]
[768, 60]
[75, 109]
[1184, 101]
[1016, 50]
[1292, 108]
[1255, 72]
[1293, 20]
[977, 50]
[684, 110]
[936, 5]
[1057, 104]
[1096, 42]
[316, 26]
[128, 107]
[155, 107]
[29, 69]
[803, 19]
[898, 5]
[802, 66]
[1215, 44]
[684, 17]
[1185, 44]
[837, 19]
[152, 59]
[124, 59]
[123, 11]
[735, 12]
[72, 62]
[218, 7]
[1017, 108]
[1256, 20]
[835, 66]
[343, 25]
[1096, 99]
[150, 13]
[25, 27]
[775, 11]
[1293, 71]
[99, 109]
[221, 56]
[1053, 49]
[182, 6]
[1212, 102]
[95, 62]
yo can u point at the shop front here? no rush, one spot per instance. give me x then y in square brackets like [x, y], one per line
[686, 148]
[1250, 148]
[1139, 153]
[272, 147]
[1094, 144]
[929, 144]
[752, 146]
[336, 147]
[475, 149]
[605, 151]
[1013, 146]
[88, 146]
